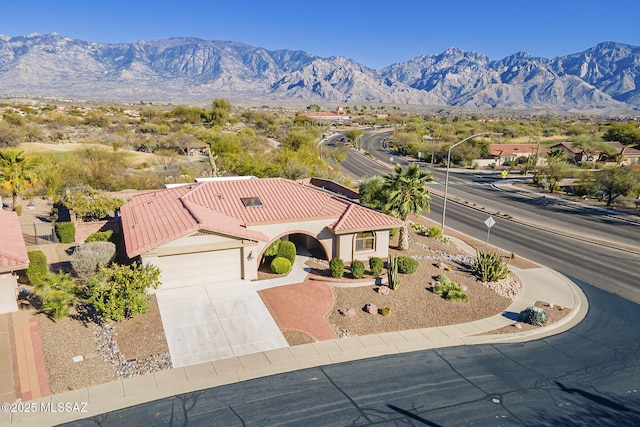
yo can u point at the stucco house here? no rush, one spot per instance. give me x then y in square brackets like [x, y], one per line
[217, 231]
[13, 258]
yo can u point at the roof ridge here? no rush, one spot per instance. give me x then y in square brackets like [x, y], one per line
[344, 216]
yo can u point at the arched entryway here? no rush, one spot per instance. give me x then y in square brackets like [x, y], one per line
[306, 244]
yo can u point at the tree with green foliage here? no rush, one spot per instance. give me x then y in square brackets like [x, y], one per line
[91, 205]
[554, 172]
[407, 195]
[626, 133]
[120, 291]
[220, 112]
[17, 172]
[371, 192]
[616, 182]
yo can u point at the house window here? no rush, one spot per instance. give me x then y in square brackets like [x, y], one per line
[365, 241]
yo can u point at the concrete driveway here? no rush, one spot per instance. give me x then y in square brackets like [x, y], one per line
[216, 321]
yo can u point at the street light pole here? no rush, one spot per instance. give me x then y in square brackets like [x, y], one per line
[446, 181]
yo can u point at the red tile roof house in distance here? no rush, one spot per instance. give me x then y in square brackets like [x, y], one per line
[13, 257]
[218, 230]
[501, 153]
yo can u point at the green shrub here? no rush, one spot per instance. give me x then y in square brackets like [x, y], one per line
[376, 265]
[38, 267]
[534, 316]
[120, 291]
[89, 257]
[451, 291]
[489, 266]
[272, 250]
[66, 232]
[336, 265]
[57, 293]
[385, 311]
[100, 236]
[280, 265]
[393, 232]
[287, 250]
[18, 210]
[357, 269]
[443, 278]
[435, 232]
[407, 265]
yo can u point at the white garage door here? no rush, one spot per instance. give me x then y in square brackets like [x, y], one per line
[199, 268]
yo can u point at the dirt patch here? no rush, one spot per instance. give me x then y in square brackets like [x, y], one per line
[555, 313]
[143, 335]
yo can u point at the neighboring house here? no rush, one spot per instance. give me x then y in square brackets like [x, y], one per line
[13, 257]
[217, 231]
[499, 154]
[624, 154]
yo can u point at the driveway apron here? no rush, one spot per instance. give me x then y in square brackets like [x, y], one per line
[210, 322]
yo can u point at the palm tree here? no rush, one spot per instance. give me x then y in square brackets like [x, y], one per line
[407, 195]
[17, 172]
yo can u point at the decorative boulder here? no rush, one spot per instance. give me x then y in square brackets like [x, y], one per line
[348, 312]
[371, 308]
[384, 290]
[443, 266]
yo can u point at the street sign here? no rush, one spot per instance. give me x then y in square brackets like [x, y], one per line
[504, 174]
[490, 222]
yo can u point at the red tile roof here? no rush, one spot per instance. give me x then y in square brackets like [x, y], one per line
[13, 252]
[154, 218]
[502, 150]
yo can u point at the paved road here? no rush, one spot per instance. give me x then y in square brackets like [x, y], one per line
[586, 376]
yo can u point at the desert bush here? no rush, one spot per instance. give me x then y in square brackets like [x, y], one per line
[100, 236]
[280, 265]
[57, 293]
[420, 228]
[434, 232]
[451, 291]
[385, 311]
[336, 265]
[442, 278]
[407, 265]
[357, 269]
[534, 316]
[489, 266]
[91, 205]
[287, 250]
[66, 232]
[38, 267]
[376, 265]
[272, 250]
[88, 258]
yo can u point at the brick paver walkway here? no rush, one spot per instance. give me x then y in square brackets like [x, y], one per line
[32, 382]
[302, 307]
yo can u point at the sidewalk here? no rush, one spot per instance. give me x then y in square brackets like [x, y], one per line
[538, 284]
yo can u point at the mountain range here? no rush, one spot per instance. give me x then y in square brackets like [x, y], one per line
[604, 78]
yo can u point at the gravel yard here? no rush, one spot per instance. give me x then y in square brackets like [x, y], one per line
[141, 347]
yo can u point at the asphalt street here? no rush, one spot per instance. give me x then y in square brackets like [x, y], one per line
[586, 376]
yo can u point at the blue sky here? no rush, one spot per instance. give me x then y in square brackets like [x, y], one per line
[373, 32]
